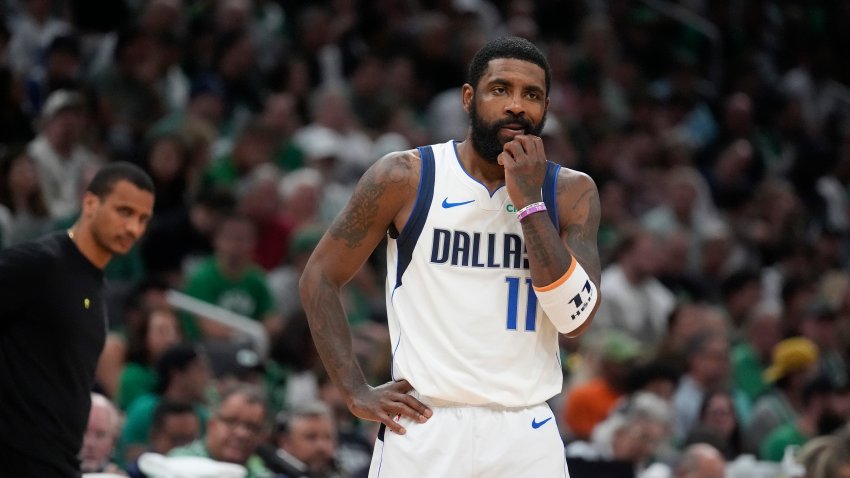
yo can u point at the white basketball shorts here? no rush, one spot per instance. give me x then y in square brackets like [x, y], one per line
[461, 441]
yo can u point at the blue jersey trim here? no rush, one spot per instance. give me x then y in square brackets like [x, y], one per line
[410, 235]
[550, 192]
[460, 164]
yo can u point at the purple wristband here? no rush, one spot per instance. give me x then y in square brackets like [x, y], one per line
[529, 210]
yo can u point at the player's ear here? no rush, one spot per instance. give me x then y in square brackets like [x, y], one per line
[467, 94]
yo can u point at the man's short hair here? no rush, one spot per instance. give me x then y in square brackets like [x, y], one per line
[312, 409]
[106, 177]
[176, 358]
[507, 47]
[168, 408]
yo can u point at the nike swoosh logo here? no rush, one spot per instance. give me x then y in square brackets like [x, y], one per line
[535, 424]
[447, 204]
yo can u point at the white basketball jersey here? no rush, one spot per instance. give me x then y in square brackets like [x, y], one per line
[463, 318]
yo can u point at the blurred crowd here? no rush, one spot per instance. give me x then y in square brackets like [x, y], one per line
[718, 134]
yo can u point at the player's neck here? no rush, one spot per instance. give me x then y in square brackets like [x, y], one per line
[82, 237]
[491, 175]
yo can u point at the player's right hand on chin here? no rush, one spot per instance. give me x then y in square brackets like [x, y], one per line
[387, 403]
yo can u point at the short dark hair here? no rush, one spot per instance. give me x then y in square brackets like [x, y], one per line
[507, 47]
[167, 408]
[311, 409]
[177, 357]
[251, 393]
[106, 177]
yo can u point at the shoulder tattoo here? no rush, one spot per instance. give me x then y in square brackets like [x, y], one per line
[394, 172]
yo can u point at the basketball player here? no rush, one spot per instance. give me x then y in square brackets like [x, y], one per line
[491, 254]
[53, 324]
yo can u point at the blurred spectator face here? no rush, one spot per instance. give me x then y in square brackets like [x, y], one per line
[261, 202]
[235, 240]
[764, 333]
[39, 8]
[677, 246]
[23, 176]
[63, 65]
[711, 364]
[65, 128]
[207, 106]
[280, 114]
[636, 442]
[739, 115]
[234, 433]
[99, 438]
[682, 196]
[333, 110]
[166, 159]
[233, 15]
[163, 332]
[140, 59]
[238, 59]
[251, 150]
[311, 440]
[194, 379]
[720, 414]
[162, 15]
[179, 429]
[643, 258]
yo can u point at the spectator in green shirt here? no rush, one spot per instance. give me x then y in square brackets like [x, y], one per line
[183, 375]
[230, 279]
[818, 417]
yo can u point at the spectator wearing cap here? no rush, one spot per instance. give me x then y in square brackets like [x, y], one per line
[794, 363]
[818, 416]
[588, 404]
[234, 432]
[61, 156]
[183, 375]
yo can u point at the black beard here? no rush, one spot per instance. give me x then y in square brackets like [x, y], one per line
[485, 137]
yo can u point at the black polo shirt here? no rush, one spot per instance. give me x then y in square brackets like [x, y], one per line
[52, 331]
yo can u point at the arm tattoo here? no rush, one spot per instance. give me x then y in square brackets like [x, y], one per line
[353, 225]
[581, 237]
[536, 245]
[359, 216]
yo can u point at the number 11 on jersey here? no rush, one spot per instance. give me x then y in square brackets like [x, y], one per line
[514, 284]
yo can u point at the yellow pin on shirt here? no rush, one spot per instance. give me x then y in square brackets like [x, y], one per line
[86, 303]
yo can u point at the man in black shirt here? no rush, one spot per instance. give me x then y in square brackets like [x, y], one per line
[53, 324]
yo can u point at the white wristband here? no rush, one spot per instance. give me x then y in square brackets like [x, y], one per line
[569, 300]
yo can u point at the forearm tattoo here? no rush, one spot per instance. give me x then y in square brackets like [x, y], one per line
[581, 237]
